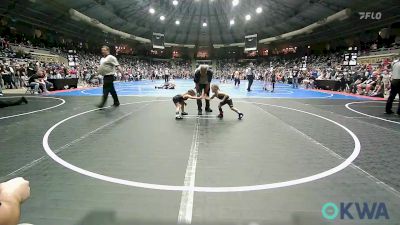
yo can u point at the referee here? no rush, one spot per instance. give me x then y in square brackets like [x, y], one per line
[250, 76]
[202, 78]
[395, 87]
[108, 66]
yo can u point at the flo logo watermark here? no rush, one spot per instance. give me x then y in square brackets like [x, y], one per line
[370, 15]
[355, 210]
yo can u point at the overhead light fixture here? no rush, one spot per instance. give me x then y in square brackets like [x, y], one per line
[235, 2]
[248, 17]
[177, 22]
[259, 10]
[175, 2]
[204, 24]
[162, 18]
[232, 22]
[152, 11]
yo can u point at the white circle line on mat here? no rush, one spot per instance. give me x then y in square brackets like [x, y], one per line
[288, 183]
[39, 110]
[364, 114]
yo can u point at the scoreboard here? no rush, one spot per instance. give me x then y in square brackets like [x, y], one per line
[250, 43]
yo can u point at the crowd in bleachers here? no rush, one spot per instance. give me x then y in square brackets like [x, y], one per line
[16, 70]
[370, 80]
[132, 68]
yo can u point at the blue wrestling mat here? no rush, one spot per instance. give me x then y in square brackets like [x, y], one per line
[147, 88]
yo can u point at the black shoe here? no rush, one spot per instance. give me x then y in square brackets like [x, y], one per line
[389, 112]
[200, 112]
[220, 116]
[116, 104]
[184, 113]
[241, 116]
[208, 110]
[23, 99]
[100, 106]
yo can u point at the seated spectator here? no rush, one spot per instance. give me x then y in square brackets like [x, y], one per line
[365, 87]
[379, 90]
[47, 84]
[12, 194]
[33, 82]
[386, 80]
[357, 80]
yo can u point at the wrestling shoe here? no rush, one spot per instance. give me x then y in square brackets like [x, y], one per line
[178, 117]
[220, 116]
[389, 112]
[208, 110]
[117, 104]
[241, 116]
[184, 113]
[200, 112]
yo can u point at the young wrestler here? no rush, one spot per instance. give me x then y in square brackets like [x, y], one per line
[225, 100]
[179, 101]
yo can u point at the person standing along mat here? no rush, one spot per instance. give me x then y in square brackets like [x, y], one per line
[166, 75]
[273, 80]
[236, 76]
[395, 88]
[108, 66]
[8, 103]
[250, 76]
[202, 77]
[295, 78]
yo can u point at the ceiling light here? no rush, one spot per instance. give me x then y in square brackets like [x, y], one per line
[235, 2]
[248, 17]
[162, 18]
[232, 22]
[152, 11]
[175, 2]
[204, 24]
[177, 22]
[259, 10]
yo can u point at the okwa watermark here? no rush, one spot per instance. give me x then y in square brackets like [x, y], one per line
[355, 210]
[370, 15]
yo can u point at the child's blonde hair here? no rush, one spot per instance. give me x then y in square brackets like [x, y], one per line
[214, 87]
[191, 92]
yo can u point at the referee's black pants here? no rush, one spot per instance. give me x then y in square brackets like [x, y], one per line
[108, 88]
[250, 82]
[200, 88]
[394, 90]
